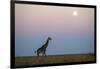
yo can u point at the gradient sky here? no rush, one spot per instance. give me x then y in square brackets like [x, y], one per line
[71, 34]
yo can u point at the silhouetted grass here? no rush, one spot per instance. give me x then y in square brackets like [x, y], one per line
[35, 60]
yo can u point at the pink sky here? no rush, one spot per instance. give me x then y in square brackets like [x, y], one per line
[53, 18]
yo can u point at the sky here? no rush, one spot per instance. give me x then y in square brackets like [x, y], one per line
[71, 29]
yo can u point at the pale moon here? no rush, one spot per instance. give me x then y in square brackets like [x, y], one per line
[75, 13]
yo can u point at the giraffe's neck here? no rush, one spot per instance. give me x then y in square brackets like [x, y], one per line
[46, 44]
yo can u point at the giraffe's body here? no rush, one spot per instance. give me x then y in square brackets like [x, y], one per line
[42, 49]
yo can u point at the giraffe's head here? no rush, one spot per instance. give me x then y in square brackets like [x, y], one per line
[49, 38]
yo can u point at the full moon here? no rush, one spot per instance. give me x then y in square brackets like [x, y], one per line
[75, 13]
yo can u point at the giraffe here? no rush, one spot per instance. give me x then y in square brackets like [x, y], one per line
[42, 49]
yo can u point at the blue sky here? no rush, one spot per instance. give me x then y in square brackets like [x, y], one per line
[71, 29]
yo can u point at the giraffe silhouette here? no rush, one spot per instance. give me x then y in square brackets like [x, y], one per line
[42, 49]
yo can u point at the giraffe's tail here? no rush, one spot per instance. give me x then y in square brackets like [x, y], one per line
[34, 51]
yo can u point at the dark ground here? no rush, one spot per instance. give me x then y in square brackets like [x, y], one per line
[53, 59]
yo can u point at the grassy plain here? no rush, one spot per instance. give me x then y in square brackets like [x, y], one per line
[53, 59]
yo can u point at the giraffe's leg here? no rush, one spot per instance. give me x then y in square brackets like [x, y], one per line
[42, 53]
[37, 53]
[45, 52]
